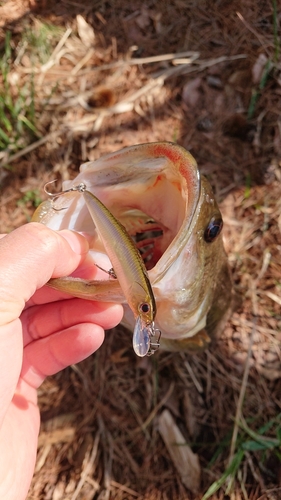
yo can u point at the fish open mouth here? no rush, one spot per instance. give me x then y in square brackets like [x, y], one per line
[152, 210]
[150, 236]
[150, 189]
[149, 199]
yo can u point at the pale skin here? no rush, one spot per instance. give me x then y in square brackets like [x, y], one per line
[41, 333]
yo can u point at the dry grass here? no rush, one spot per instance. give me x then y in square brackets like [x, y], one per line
[95, 93]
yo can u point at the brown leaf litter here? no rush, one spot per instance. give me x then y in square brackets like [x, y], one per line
[120, 74]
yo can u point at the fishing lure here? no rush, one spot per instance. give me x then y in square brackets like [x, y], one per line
[128, 268]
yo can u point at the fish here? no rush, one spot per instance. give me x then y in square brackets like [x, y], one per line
[168, 208]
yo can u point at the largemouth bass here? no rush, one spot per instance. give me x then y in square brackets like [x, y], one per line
[156, 192]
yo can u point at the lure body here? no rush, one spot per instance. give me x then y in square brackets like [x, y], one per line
[125, 259]
[130, 271]
[128, 268]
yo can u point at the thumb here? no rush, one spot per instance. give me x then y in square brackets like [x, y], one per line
[29, 257]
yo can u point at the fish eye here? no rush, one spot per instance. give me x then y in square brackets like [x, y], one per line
[213, 229]
[144, 307]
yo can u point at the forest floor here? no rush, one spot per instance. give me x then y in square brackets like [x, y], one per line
[76, 84]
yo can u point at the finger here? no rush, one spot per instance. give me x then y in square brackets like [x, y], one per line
[51, 354]
[46, 295]
[10, 363]
[30, 256]
[42, 321]
[87, 270]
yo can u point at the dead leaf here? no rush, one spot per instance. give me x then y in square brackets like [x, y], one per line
[191, 93]
[85, 31]
[238, 126]
[258, 67]
[189, 414]
[240, 78]
[185, 461]
[57, 436]
[143, 20]
[157, 22]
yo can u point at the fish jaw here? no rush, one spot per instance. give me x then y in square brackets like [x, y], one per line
[197, 289]
[159, 182]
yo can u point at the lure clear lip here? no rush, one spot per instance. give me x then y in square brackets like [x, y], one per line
[146, 339]
[141, 338]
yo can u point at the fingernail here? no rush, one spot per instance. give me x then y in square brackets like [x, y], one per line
[78, 243]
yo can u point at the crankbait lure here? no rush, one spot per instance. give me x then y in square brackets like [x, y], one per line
[129, 269]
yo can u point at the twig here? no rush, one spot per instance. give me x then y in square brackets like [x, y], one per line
[192, 56]
[124, 488]
[254, 284]
[194, 379]
[83, 61]
[272, 296]
[88, 467]
[166, 57]
[198, 65]
[156, 409]
[241, 396]
[31, 147]
[252, 30]
[56, 51]
[107, 459]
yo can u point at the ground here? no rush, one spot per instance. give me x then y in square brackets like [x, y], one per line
[76, 85]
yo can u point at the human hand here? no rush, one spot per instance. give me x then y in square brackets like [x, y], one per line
[40, 334]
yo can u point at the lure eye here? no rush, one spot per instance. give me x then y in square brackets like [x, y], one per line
[213, 229]
[144, 308]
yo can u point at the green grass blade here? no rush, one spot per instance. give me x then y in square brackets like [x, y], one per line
[267, 443]
[5, 122]
[258, 446]
[256, 93]
[230, 471]
[265, 428]
[5, 137]
[28, 124]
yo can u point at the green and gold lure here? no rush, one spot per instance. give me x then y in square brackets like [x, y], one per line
[128, 268]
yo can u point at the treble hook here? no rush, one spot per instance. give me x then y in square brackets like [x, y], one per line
[154, 343]
[80, 187]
